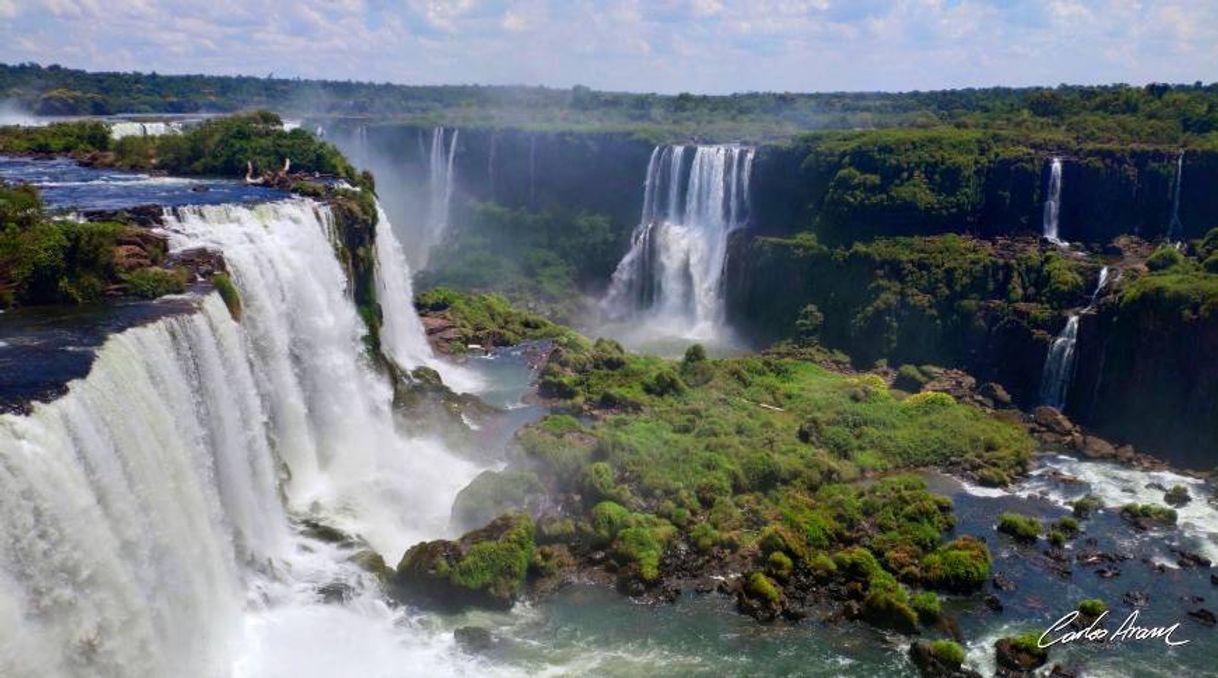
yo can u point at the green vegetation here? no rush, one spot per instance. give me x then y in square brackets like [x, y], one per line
[52, 261]
[962, 565]
[488, 319]
[949, 652]
[1085, 506]
[917, 299]
[1145, 515]
[1092, 608]
[486, 567]
[535, 258]
[1022, 528]
[1156, 113]
[61, 137]
[228, 292]
[926, 604]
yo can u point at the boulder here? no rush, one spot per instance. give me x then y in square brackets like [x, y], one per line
[494, 493]
[941, 659]
[996, 393]
[484, 568]
[1052, 420]
[1097, 448]
[1020, 654]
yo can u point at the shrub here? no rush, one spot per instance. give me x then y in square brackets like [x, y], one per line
[760, 586]
[1085, 506]
[949, 652]
[779, 565]
[962, 565]
[643, 546]
[1022, 528]
[1144, 514]
[609, 518]
[152, 282]
[228, 293]
[1092, 608]
[926, 604]
[1164, 258]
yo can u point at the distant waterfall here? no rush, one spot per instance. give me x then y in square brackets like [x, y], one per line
[1175, 228]
[401, 334]
[693, 197]
[1099, 286]
[1059, 366]
[119, 130]
[441, 182]
[1053, 202]
[139, 507]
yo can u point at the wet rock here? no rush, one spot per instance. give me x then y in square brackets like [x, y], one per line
[1097, 448]
[938, 661]
[474, 639]
[1052, 420]
[1204, 616]
[1108, 572]
[1188, 559]
[130, 257]
[1019, 654]
[1059, 671]
[336, 593]
[992, 602]
[1214, 579]
[1137, 598]
[1003, 582]
[996, 393]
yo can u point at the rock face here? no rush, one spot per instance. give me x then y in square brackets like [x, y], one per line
[484, 568]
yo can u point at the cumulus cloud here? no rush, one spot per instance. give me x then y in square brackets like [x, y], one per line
[638, 45]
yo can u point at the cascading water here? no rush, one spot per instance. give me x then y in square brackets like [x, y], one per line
[119, 130]
[1175, 228]
[1059, 366]
[144, 511]
[674, 269]
[440, 185]
[1053, 202]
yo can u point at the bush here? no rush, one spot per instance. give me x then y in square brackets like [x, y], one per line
[228, 293]
[926, 604]
[779, 565]
[1022, 528]
[1085, 506]
[1092, 608]
[760, 586]
[1145, 514]
[962, 566]
[1164, 258]
[950, 653]
[609, 518]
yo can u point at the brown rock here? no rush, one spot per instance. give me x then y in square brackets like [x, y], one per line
[1053, 420]
[1097, 448]
[996, 393]
[130, 257]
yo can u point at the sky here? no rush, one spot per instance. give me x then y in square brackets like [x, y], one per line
[668, 46]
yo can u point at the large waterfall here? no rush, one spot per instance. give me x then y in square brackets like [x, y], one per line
[441, 183]
[146, 511]
[693, 197]
[1053, 202]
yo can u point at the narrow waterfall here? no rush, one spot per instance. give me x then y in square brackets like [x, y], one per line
[441, 183]
[401, 333]
[1053, 202]
[1175, 228]
[121, 129]
[1059, 366]
[142, 508]
[1059, 363]
[674, 268]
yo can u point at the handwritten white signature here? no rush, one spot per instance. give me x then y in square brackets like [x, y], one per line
[1095, 633]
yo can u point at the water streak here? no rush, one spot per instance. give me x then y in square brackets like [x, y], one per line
[1053, 203]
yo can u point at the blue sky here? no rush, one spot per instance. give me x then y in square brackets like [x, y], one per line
[713, 46]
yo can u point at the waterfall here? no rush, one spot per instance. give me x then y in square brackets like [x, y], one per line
[119, 130]
[401, 332]
[674, 268]
[1059, 363]
[1059, 366]
[441, 183]
[1175, 228]
[142, 509]
[1053, 202]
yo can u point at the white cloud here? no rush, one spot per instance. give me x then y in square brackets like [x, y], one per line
[664, 45]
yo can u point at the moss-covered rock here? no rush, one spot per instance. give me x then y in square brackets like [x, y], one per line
[939, 659]
[484, 568]
[962, 565]
[493, 493]
[1146, 516]
[1020, 653]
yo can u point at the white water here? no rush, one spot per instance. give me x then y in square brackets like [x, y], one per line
[1175, 229]
[145, 530]
[1053, 202]
[1099, 286]
[119, 130]
[671, 279]
[402, 334]
[441, 182]
[1059, 366]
